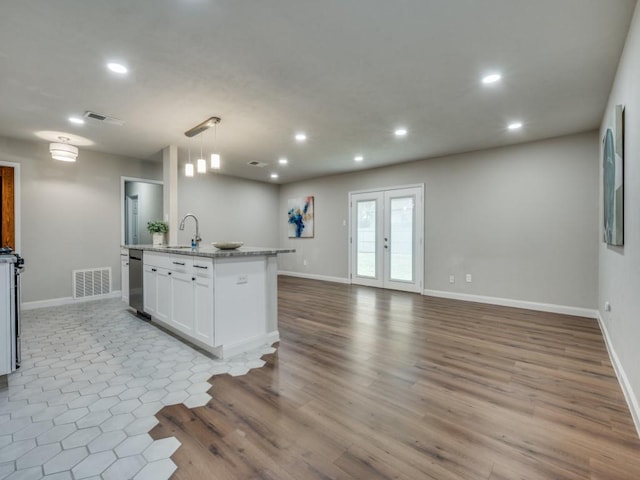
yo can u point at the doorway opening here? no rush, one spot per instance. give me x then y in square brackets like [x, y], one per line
[386, 238]
[142, 202]
[7, 208]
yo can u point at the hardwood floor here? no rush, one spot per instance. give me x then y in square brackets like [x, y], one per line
[370, 384]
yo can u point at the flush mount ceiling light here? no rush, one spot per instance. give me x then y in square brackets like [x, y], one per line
[491, 78]
[283, 161]
[400, 132]
[515, 126]
[63, 151]
[358, 158]
[117, 68]
[300, 137]
[76, 120]
[274, 175]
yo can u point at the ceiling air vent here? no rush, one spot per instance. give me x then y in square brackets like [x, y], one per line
[103, 118]
[258, 164]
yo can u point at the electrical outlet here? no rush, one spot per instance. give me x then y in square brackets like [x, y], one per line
[468, 278]
[607, 307]
[452, 279]
[304, 262]
[344, 223]
[242, 279]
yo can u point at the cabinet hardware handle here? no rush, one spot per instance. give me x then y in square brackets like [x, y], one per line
[193, 278]
[201, 266]
[178, 263]
[170, 273]
[154, 270]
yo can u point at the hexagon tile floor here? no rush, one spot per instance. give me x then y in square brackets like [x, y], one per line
[92, 378]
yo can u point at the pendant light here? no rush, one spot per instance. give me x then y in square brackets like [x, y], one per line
[201, 163]
[215, 157]
[188, 168]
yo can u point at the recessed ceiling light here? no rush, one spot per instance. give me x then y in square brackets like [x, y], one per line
[117, 68]
[76, 120]
[515, 126]
[300, 137]
[358, 158]
[283, 161]
[492, 78]
[400, 132]
[274, 175]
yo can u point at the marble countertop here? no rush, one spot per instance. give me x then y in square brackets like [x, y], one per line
[211, 251]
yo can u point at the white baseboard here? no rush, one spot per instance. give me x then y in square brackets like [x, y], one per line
[629, 395]
[56, 302]
[312, 276]
[508, 302]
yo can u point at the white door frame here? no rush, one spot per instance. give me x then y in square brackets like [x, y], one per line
[419, 225]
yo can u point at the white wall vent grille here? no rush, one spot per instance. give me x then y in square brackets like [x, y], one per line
[91, 282]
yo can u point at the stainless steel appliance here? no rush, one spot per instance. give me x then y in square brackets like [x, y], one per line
[136, 290]
[11, 266]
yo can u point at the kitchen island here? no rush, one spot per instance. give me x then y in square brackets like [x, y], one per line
[224, 301]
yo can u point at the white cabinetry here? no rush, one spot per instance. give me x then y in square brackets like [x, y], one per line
[203, 301]
[178, 292]
[226, 305]
[150, 279]
[182, 296]
[163, 294]
[124, 274]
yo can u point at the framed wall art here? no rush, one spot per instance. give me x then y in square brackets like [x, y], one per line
[613, 179]
[300, 217]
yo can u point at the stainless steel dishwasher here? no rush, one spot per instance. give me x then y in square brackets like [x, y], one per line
[136, 285]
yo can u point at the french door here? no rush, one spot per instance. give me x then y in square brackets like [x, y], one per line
[386, 235]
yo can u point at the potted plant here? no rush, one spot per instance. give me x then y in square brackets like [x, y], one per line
[157, 229]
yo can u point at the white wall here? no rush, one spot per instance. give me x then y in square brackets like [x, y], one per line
[229, 209]
[70, 214]
[521, 219]
[620, 266]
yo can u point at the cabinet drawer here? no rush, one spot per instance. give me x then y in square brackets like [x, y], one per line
[179, 263]
[203, 267]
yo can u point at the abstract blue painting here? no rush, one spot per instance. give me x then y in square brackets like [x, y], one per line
[300, 217]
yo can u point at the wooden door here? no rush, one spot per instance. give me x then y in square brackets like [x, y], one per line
[7, 211]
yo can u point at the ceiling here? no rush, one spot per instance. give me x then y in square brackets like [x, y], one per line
[346, 72]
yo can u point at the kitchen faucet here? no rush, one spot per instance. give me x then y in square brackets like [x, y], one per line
[197, 239]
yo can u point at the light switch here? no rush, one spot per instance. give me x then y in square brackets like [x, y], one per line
[468, 278]
[452, 279]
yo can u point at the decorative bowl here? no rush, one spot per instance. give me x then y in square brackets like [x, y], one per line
[227, 245]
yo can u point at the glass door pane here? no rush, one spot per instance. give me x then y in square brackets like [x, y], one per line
[366, 238]
[401, 236]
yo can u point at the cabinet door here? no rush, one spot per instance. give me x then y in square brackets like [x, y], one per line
[182, 294]
[150, 290]
[163, 294]
[203, 291]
